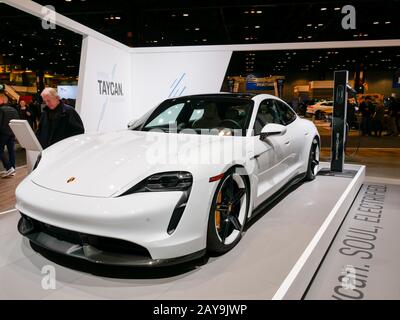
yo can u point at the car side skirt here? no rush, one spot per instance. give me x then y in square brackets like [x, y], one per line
[262, 206]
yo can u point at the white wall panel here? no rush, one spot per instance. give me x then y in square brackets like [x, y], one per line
[162, 75]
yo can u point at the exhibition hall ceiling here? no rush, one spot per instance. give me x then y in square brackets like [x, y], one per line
[174, 23]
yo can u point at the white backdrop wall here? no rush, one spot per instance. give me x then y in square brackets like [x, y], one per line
[161, 75]
[105, 86]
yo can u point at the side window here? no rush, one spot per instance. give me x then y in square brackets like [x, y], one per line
[287, 115]
[267, 113]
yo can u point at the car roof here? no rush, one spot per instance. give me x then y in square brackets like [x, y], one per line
[218, 95]
[228, 95]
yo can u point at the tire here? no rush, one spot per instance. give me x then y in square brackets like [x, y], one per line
[225, 226]
[313, 160]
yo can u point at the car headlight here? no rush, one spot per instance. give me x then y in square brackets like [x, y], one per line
[165, 181]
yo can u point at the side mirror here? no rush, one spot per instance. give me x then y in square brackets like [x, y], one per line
[132, 124]
[272, 129]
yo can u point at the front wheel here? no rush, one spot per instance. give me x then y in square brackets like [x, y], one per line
[313, 160]
[228, 213]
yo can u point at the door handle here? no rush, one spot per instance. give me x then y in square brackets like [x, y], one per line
[258, 155]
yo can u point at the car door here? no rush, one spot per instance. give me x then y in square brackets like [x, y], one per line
[294, 139]
[271, 155]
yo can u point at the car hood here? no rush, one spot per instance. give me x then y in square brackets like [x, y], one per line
[105, 165]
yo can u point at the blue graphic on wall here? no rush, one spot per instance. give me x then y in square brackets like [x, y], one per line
[396, 79]
[254, 82]
[177, 87]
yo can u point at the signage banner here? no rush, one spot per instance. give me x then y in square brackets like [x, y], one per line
[396, 79]
[257, 82]
[104, 95]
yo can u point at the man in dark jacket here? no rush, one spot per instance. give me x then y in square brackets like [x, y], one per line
[58, 121]
[7, 137]
[367, 109]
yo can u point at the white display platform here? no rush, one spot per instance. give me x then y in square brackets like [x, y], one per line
[276, 258]
[363, 261]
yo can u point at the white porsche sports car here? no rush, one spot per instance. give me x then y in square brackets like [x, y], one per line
[183, 179]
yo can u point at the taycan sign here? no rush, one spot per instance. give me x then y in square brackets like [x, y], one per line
[110, 88]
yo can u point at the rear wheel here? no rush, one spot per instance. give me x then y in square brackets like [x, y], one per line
[313, 160]
[228, 213]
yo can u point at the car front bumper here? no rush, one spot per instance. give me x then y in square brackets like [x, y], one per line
[141, 219]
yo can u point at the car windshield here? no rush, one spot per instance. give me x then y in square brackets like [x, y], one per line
[201, 114]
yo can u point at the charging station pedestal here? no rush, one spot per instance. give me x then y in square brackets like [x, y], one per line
[339, 120]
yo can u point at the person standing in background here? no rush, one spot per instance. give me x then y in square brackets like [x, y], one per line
[367, 109]
[394, 109]
[25, 113]
[378, 118]
[7, 138]
[58, 120]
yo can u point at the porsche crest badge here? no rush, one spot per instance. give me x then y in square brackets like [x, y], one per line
[72, 179]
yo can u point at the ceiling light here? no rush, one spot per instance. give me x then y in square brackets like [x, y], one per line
[388, 22]
[300, 37]
[336, 9]
[309, 25]
[197, 29]
[257, 27]
[186, 14]
[376, 22]
[324, 9]
[320, 24]
[259, 11]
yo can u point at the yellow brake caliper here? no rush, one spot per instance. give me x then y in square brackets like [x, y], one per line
[217, 212]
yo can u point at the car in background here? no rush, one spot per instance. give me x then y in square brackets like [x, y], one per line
[320, 110]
